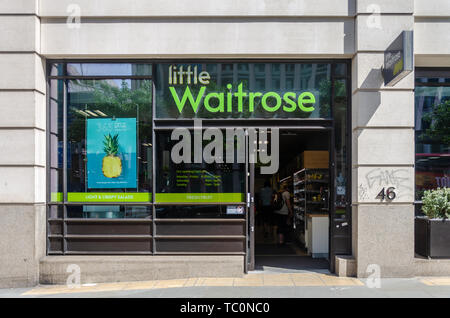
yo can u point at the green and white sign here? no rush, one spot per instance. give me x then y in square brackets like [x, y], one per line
[193, 91]
[108, 197]
[199, 197]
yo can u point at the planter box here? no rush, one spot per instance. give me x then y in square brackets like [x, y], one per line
[432, 237]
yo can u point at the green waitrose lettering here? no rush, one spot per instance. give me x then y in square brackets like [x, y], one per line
[304, 101]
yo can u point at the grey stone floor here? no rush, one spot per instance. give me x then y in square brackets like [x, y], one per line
[410, 288]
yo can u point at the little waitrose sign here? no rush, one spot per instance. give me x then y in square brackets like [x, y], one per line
[233, 99]
[398, 59]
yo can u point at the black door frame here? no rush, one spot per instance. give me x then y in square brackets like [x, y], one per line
[250, 181]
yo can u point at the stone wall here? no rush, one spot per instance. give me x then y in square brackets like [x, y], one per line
[22, 144]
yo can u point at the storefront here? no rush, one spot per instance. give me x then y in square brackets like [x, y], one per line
[136, 138]
[116, 188]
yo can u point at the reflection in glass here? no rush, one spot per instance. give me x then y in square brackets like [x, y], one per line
[198, 211]
[341, 172]
[198, 178]
[243, 90]
[56, 139]
[108, 69]
[340, 69]
[113, 118]
[432, 134]
[109, 211]
[56, 69]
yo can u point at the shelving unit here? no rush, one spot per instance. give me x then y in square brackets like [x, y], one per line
[311, 209]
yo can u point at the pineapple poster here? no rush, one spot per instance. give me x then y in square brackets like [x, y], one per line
[111, 153]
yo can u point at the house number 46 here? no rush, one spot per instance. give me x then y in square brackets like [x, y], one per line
[389, 194]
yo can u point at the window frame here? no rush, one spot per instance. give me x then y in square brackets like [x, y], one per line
[164, 124]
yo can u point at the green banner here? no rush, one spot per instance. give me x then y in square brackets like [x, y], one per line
[108, 197]
[146, 197]
[199, 197]
[56, 197]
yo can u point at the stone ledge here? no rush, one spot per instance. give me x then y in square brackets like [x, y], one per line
[431, 267]
[345, 266]
[102, 269]
[213, 8]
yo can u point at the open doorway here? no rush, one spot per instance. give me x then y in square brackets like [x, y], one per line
[294, 235]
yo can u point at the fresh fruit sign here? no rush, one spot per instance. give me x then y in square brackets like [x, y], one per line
[112, 164]
[111, 153]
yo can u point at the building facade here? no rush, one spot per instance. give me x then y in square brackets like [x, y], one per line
[54, 55]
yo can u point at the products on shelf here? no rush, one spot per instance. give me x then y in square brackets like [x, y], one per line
[310, 188]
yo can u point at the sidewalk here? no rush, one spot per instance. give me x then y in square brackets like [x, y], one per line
[252, 285]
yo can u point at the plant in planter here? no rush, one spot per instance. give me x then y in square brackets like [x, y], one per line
[436, 203]
[432, 232]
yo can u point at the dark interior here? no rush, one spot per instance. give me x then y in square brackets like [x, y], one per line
[292, 256]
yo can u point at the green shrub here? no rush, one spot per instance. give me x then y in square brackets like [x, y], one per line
[436, 203]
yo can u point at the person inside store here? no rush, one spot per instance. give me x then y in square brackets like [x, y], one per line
[283, 212]
[265, 198]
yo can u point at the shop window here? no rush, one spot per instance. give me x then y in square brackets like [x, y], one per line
[341, 146]
[340, 69]
[56, 69]
[195, 182]
[56, 141]
[109, 211]
[100, 194]
[200, 211]
[432, 132]
[105, 117]
[109, 69]
[109, 143]
[100, 158]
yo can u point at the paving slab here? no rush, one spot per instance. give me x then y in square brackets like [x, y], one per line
[257, 284]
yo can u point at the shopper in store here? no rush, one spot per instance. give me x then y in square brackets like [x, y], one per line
[265, 196]
[283, 212]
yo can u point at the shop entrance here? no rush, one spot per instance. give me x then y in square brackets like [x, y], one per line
[293, 235]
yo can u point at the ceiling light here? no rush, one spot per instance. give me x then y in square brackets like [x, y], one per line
[100, 113]
[91, 113]
[82, 113]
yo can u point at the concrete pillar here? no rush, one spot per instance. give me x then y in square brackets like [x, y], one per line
[22, 144]
[383, 144]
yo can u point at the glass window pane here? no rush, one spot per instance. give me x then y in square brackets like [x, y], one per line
[340, 69]
[111, 69]
[340, 126]
[109, 212]
[109, 146]
[195, 182]
[199, 211]
[56, 104]
[432, 134]
[243, 90]
[56, 69]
